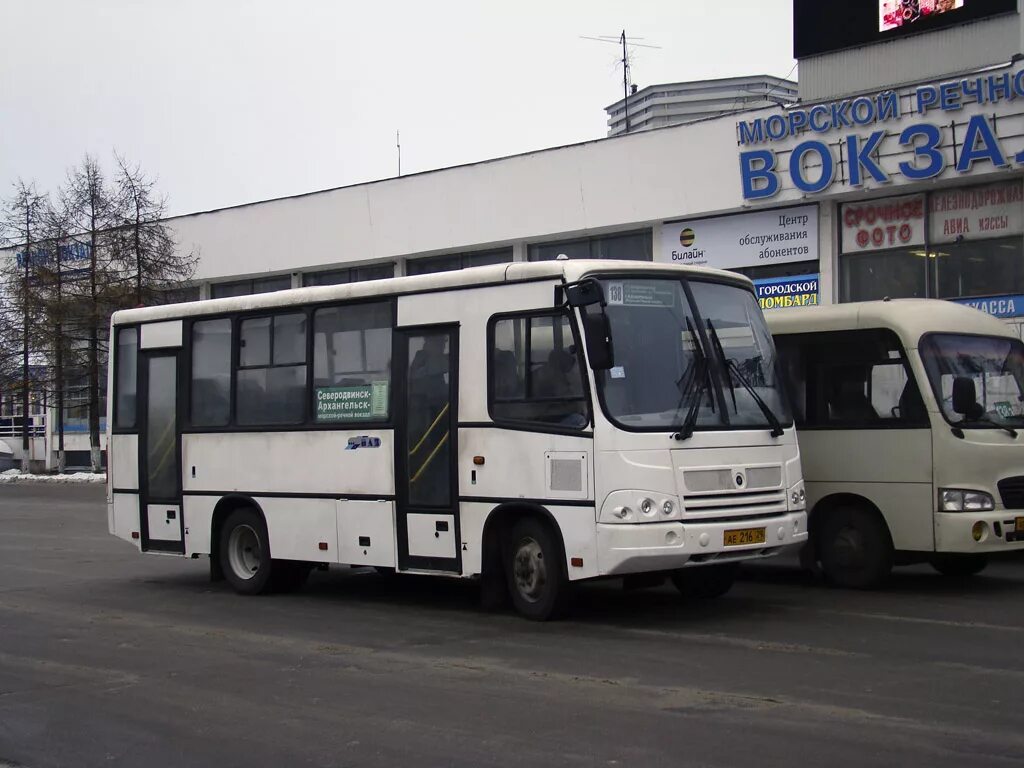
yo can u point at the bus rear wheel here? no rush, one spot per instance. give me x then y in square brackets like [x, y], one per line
[704, 582]
[855, 548]
[535, 571]
[959, 566]
[245, 552]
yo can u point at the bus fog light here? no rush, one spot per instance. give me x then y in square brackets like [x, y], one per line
[979, 531]
[704, 539]
[668, 507]
[781, 533]
[647, 506]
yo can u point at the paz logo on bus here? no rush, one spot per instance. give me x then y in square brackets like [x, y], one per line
[362, 441]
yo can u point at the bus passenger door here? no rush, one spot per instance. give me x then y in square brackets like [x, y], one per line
[161, 525]
[426, 484]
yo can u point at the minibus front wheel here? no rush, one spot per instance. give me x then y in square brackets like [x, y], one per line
[855, 547]
[957, 566]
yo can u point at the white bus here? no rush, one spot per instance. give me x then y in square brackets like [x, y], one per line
[531, 425]
[908, 414]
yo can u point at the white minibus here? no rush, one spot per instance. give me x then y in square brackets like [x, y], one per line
[908, 414]
[529, 424]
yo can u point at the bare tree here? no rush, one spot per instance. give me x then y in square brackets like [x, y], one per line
[93, 213]
[23, 214]
[145, 247]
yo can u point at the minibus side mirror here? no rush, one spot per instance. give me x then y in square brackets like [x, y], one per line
[584, 293]
[598, 334]
[965, 398]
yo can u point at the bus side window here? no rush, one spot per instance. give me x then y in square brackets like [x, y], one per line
[794, 376]
[536, 372]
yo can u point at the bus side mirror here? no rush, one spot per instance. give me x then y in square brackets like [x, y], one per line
[598, 335]
[584, 293]
[965, 398]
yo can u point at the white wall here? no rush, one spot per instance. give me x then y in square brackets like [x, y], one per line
[604, 184]
[910, 59]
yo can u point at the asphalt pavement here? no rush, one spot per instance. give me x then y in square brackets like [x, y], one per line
[108, 657]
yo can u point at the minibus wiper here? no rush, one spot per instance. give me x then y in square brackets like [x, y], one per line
[732, 369]
[986, 419]
[694, 388]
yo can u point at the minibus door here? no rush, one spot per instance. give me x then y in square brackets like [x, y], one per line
[161, 525]
[427, 520]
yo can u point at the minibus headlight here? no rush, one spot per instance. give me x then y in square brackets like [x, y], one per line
[668, 507]
[957, 500]
[647, 506]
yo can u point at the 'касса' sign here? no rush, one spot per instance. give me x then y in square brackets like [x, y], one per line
[961, 126]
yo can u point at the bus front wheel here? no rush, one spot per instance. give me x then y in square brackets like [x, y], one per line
[535, 571]
[245, 553]
[855, 548]
[704, 582]
[959, 566]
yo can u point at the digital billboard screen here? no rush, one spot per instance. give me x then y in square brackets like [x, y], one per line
[822, 27]
[899, 14]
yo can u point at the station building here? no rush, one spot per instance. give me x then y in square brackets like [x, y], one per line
[896, 170]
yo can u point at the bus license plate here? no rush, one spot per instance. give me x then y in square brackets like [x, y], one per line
[1019, 525]
[742, 536]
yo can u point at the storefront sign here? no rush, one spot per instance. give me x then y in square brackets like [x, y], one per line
[757, 239]
[777, 292]
[876, 225]
[997, 306]
[369, 401]
[966, 126]
[976, 213]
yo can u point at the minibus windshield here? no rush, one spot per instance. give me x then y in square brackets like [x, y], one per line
[994, 364]
[714, 362]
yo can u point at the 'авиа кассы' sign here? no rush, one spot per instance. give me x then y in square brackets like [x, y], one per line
[869, 153]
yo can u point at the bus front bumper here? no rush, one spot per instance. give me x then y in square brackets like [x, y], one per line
[640, 547]
[998, 531]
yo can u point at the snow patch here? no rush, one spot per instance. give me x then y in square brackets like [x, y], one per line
[16, 476]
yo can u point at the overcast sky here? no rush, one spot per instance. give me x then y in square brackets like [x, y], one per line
[231, 101]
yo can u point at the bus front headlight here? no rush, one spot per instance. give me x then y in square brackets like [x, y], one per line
[959, 500]
[797, 495]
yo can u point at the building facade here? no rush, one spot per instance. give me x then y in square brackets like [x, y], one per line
[898, 172]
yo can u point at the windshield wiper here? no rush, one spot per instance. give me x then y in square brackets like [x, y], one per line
[732, 369]
[986, 419]
[694, 388]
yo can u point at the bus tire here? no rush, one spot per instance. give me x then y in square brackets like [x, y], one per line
[704, 582]
[245, 552]
[959, 566]
[854, 547]
[535, 571]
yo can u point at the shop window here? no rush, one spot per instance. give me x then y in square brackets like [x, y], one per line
[979, 268]
[271, 378]
[535, 372]
[127, 370]
[633, 246]
[898, 274]
[249, 287]
[850, 380]
[210, 393]
[352, 363]
[452, 262]
[351, 275]
[792, 269]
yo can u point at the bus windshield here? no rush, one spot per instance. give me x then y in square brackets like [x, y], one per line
[714, 362]
[995, 365]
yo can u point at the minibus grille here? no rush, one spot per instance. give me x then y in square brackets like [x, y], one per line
[724, 506]
[1011, 489]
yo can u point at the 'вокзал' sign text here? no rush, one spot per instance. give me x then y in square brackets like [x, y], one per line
[928, 148]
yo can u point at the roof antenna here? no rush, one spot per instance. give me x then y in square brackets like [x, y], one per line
[624, 41]
[398, 144]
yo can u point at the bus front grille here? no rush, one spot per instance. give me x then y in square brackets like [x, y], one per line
[723, 506]
[1011, 490]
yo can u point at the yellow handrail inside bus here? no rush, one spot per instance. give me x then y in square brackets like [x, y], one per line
[433, 424]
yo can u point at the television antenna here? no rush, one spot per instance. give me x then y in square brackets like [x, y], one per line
[626, 43]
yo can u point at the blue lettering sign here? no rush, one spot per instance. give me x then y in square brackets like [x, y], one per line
[998, 306]
[796, 291]
[757, 170]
